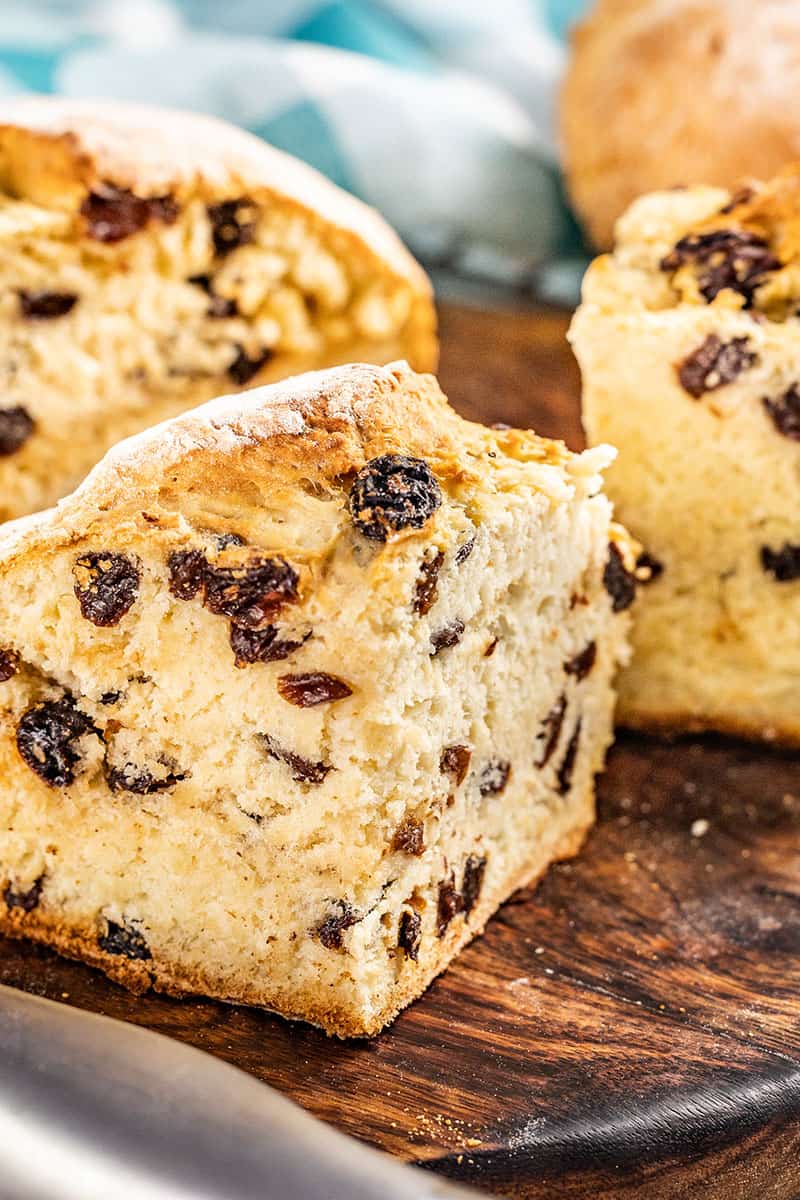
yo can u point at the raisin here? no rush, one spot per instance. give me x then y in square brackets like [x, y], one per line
[218, 306]
[9, 664]
[243, 368]
[732, 258]
[713, 364]
[107, 586]
[110, 697]
[187, 572]
[260, 645]
[113, 213]
[140, 781]
[44, 306]
[45, 739]
[784, 564]
[233, 224]
[391, 493]
[474, 870]
[494, 777]
[448, 635]
[567, 767]
[312, 688]
[124, 940]
[251, 593]
[739, 197]
[16, 426]
[448, 905]
[164, 209]
[618, 581]
[330, 930]
[409, 934]
[463, 552]
[28, 900]
[582, 663]
[551, 728]
[409, 837]
[648, 568]
[454, 761]
[785, 412]
[221, 308]
[304, 770]
[426, 592]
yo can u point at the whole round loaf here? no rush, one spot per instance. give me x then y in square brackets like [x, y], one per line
[661, 93]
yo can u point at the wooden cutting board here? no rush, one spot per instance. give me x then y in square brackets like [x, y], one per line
[629, 1030]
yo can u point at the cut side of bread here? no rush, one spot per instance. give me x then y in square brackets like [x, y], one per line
[151, 259]
[688, 341]
[298, 688]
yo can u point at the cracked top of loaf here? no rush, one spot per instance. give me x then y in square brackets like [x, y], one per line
[277, 464]
[53, 151]
[707, 246]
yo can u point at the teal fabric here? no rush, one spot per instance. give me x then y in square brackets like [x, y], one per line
[438, 112]
[362, 26]
[561, 14]
[304, 125]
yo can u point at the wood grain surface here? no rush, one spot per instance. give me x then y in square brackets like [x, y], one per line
[631, 1029]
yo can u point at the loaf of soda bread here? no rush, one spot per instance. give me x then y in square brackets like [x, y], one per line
[298, 687]
[688, 338]
[151, 259]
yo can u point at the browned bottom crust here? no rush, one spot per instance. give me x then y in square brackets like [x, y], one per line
[677, 722]
[324, 1011]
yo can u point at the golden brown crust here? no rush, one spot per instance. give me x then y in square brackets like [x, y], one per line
[317, 427]
[53, 150]
[335, 1019]
[654, 90]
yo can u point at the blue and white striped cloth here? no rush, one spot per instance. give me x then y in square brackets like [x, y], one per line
[438, 112]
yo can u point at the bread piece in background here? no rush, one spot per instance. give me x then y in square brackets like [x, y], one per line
[660, 93]
[151, 259]
[688, 339]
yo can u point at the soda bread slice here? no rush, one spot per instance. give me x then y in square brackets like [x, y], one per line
[151, 259]
[688, 338]
[298, 688]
